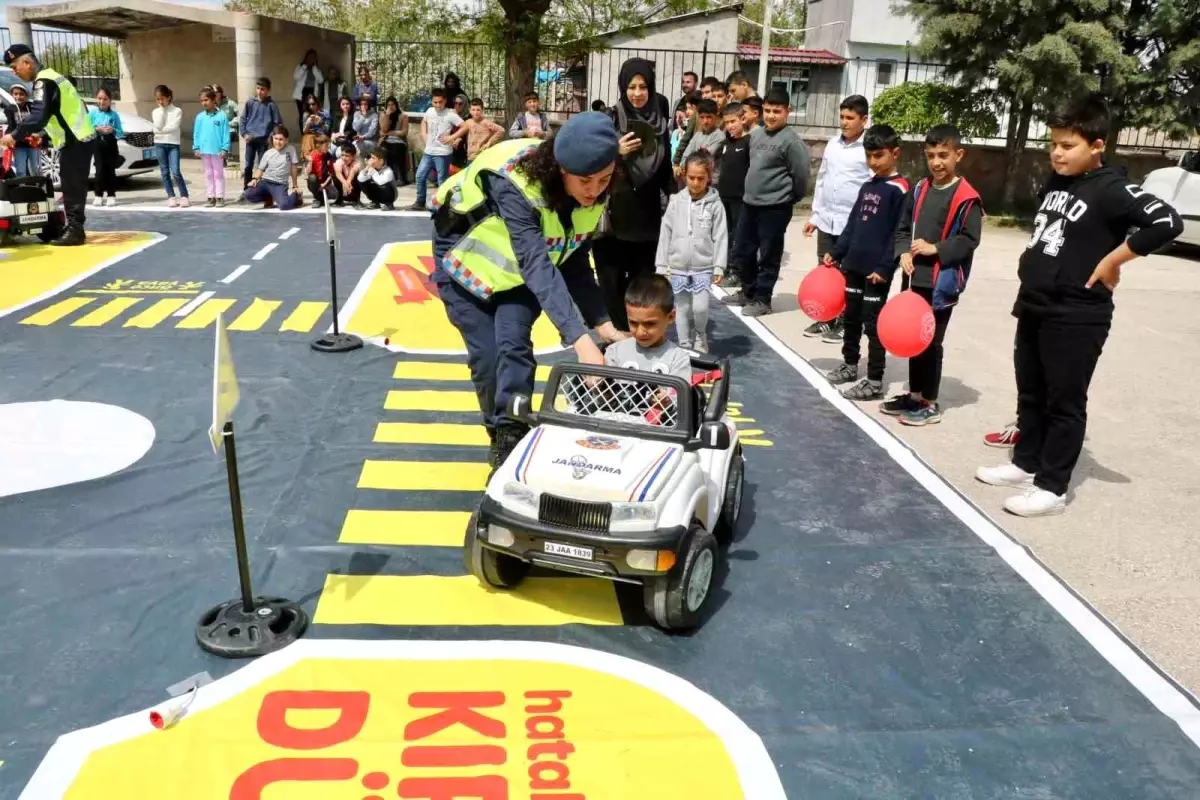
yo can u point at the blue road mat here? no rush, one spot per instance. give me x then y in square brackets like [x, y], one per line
[878, 646]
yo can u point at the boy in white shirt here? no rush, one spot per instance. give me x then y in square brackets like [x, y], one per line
[378, 182]
[436, 126]
[843, 172]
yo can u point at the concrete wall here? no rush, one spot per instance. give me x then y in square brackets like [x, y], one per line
[188, 57]
[825, 36]
[874, 22]
[675, 47]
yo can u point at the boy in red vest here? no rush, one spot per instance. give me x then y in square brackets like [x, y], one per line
[935, 242]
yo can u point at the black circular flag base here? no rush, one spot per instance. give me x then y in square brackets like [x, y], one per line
[229, 631]
[337, 343]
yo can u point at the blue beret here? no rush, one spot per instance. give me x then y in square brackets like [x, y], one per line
[587, 143]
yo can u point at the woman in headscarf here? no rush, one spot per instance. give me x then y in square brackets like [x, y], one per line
[635, 209]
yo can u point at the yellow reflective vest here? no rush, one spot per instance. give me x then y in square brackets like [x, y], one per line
[483, 260]
[71, 110]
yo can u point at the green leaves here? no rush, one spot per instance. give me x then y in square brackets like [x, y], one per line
[914, 108]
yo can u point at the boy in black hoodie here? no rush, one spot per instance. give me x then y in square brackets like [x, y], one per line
[935, 242]
[733, 161]
[1064, 304]
[865, 251]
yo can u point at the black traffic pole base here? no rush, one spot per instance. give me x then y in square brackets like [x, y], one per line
[337, 343]
[229, 631]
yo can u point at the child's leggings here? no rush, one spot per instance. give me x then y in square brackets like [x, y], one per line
[214, 176]
[691, 315]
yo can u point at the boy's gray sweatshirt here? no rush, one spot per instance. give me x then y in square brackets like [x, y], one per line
[705, 141]
[694, 235]
[780, 166]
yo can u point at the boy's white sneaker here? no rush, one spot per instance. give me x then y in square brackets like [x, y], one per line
[1004, 475]
[1035, 502]
[99, 201]
[184, 202]
[172, 202]
[112, 201]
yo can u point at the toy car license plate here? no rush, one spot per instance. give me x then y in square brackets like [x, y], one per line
[28, 219]
[568, 550]
[148, 154]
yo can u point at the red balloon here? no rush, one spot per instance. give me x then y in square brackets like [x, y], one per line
[822, 294]
[906, 325]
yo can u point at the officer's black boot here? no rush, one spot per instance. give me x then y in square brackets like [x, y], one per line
[508, 436]
[72, 237]
[493, 449]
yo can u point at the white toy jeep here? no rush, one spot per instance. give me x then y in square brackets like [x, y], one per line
[27, 206]
[625, 475]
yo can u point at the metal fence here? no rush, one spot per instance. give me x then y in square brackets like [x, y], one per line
[90, 61]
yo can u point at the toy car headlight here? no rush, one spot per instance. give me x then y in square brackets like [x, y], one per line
[634, 512]
[519, 493]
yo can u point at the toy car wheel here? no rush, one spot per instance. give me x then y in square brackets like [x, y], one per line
[676, 601]
[731, 508]
[490, 568]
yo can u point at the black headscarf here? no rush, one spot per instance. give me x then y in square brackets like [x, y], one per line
[655, 113]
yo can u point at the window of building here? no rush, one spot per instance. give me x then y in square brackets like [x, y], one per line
[884, 73]
[794, 81]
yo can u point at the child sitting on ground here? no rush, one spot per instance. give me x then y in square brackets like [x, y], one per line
[693, 249]
[865, 251]
[345, 170]
[274, 173]
[935, 241]
[378, 182]
[321, 180]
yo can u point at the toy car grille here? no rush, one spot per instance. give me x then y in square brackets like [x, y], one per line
[574, 514]
[140, 139]
[624, 400]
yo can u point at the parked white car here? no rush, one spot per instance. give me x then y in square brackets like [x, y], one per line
[136, 149]
[1180, 186]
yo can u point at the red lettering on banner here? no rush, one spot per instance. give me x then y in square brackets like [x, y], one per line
[553, 705]
[490, 787]
[553, 727]
[274, 729]
[458, 709]
[251, 783]
[453, 756]
[560, 780]
[559, 750]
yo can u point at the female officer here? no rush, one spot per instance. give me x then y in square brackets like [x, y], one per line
[512, 236]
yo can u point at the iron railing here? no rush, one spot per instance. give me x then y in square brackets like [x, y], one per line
[90, 61]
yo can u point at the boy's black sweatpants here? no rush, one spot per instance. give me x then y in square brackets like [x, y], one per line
[864, 301]
[1054, 362]
[733, 212]
[925, 371]
[759, 249]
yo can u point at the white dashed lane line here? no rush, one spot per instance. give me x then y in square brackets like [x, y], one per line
[261, 254]
[289, 233]
[237, 273]
[197, 301]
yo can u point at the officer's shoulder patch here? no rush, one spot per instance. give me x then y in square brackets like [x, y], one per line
[39, 90]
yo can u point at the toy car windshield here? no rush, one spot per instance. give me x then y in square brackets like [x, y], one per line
[625, 397]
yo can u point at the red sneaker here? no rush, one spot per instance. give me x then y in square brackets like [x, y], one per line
[1005, 438]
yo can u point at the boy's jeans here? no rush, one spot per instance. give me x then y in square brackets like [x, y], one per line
[441, 167]
[759, 248]
[254, 149]
[26, 162]
[284, 200]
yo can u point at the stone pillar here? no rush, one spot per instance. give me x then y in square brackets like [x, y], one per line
[19, 31]
[248, 50]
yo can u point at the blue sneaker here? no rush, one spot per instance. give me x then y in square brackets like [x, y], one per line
[926, 414]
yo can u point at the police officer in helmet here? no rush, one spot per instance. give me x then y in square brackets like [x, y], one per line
[61, 112]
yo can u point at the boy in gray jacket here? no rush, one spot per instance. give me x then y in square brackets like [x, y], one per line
[777, 179]
[692, 249]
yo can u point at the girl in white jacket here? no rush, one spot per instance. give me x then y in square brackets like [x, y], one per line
[692, 249]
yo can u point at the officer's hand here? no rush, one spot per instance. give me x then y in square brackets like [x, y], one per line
[609, 333]
[587, 351]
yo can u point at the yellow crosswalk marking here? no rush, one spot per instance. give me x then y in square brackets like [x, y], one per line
[304, 317]
[106, 313]
[411, 528]
[439, 371]
[461, 600]
[206, 314]
[431, 433]
[256, 315]
[750, 432]
[757, 442]
[52, 314]
[433, 400]
[449, 476]
[157, 312]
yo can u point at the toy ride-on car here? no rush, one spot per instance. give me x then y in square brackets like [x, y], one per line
[628, 475]
[27, 206]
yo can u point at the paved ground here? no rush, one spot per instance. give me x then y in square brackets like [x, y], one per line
[876, 635]
[1127, 541]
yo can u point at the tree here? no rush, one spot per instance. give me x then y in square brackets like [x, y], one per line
[914, 108]
[785, 15]
[1029, 54]
[59, 57]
